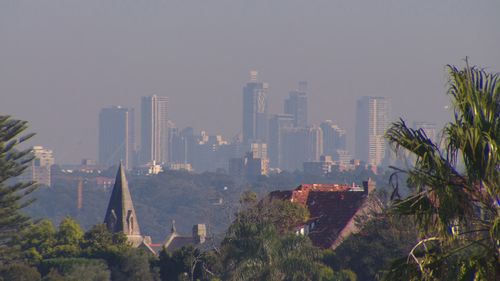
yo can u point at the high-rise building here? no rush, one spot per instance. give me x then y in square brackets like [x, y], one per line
[334, 138]
[301, 145]
[314, 143]
[39, 169]
[255, 110]
[372, 120]
[278, 124]
[154, 129]
[116, 136]
[296, 105]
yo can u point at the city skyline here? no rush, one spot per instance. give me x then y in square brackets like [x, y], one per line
[199, 55]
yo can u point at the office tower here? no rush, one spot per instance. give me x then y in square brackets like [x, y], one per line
[178, 146]
[314, 143]
[39, 169]
[278, 124]
[372, 120]
[428, 128]
[154, 129]
[116, 136]
[255, 110]
[296, 105]
[301, 145]
[334, 138]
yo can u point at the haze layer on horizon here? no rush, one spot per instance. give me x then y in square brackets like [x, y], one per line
[62, 61]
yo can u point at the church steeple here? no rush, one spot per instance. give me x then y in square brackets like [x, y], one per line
[120, 215]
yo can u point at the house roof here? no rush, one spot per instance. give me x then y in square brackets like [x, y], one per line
[332, 208]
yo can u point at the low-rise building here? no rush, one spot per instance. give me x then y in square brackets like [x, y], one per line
[332, 207]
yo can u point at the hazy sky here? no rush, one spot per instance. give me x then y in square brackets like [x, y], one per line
[61, 61]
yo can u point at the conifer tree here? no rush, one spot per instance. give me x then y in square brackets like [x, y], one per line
[12, 195]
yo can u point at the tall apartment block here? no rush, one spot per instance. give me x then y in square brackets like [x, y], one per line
[301, 145]
[154, 130]
[255, 120]
[278, 126]
[116, 136]
[296, 105]
[373, 116]
[334, 138]
[39, 170]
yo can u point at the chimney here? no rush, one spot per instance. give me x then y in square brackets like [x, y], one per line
[199, 233]
[368, 186]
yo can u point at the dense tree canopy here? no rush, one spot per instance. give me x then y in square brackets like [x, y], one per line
[12, 164]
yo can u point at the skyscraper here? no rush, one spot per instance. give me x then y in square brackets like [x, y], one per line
[296, 105]
[334, 138]
[301, 145]
[154, 129]
[278, 124]
[372, 120]
[255, 110]
[39, 169]
[116, 136]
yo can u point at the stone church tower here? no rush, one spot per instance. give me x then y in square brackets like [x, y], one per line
[120, 215]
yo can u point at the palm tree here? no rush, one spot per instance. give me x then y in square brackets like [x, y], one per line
[456, 185]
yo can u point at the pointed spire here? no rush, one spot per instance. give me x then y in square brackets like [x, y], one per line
[173, 230]
[120, 215]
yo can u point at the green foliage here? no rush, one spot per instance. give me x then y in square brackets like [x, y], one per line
[98, 242]
[12, 164]
[132, 265]
[260, 246]
[68, 238]
[382, 239]
[455, 201]
[53, 275]
[88, 272]
[19, 272]
[187, 198]
[186, 261]
[76, 269]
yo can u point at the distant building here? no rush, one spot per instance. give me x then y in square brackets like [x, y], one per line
[39, 169]
[296, 105]
[373, 116]
[210, 153]
[180, 167]
[334, 138]
[249, 166]
[116, 136]
[314, 143]
[342, 157]
[176, 241]
[319, 168]
[154, 129]
[301, 145]
[278, 125]
[333, 210]
[259, 150]
[255, 120]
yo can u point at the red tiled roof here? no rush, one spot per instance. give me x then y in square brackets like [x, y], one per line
[332, 206]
